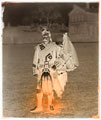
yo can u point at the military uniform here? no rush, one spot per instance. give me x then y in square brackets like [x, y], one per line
[50, 52]
[51, 63]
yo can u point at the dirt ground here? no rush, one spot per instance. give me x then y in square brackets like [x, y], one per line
[80, 98]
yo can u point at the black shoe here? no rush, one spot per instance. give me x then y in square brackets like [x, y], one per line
[36, 109]
[33, 108]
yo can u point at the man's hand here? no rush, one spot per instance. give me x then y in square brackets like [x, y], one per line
[54, 67]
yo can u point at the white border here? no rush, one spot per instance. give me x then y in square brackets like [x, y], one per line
[49, 1]
[1, 94]
[1, 26]
[100, 59]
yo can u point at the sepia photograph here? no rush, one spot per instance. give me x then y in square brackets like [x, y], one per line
[50, 59]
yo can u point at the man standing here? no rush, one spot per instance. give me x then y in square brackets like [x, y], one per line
[49, 65]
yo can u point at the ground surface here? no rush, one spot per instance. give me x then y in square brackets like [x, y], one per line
[80, 98]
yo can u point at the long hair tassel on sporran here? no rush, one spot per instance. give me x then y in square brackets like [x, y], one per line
[46, 83]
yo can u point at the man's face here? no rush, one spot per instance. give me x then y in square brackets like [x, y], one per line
[46, 39]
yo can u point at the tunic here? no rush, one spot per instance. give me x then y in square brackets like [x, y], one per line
[63, 57]
[58, 79]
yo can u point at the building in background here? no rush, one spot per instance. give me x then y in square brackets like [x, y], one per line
[83, 24]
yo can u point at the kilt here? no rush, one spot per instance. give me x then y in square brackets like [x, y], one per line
[49, 82]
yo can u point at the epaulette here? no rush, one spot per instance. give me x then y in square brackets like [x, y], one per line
[41, 46]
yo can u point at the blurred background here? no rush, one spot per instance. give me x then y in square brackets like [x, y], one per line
[23, 21]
